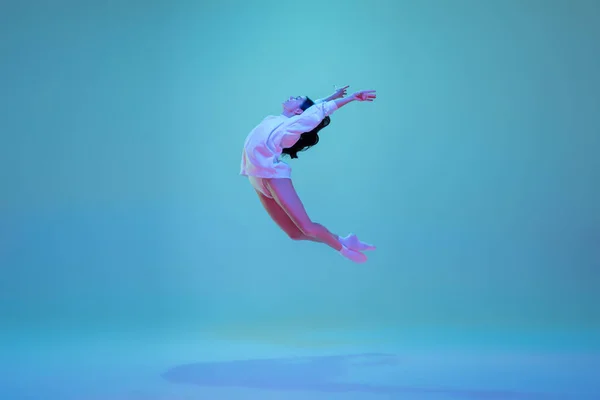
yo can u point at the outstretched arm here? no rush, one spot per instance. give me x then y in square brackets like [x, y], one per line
[343, 101]
[310, 118]
[364, 95]
[337, 94]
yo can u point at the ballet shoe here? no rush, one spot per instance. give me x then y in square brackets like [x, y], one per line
[353, 255]
[352, 242]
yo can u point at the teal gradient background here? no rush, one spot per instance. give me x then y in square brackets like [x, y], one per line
[476, 172]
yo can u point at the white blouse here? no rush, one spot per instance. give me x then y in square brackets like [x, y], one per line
[264, 144]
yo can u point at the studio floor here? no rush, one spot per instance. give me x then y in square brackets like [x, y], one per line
[335, 366]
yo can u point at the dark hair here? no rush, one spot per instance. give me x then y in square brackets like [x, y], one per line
[307, 139]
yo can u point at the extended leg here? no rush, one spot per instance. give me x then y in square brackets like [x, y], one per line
[285, 195]
[283, 220]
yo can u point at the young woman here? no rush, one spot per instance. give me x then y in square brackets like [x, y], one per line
[296, 129]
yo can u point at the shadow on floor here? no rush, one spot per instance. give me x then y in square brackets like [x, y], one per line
[322, 374]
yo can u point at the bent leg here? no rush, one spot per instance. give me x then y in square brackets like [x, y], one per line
[281, 218]
[285, 195]
[284, 222]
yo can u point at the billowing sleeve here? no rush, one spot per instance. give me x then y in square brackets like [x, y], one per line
[310, 118]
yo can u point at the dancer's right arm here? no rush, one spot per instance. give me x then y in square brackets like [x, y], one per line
[343, 101]
[313, 116]
[363, 95]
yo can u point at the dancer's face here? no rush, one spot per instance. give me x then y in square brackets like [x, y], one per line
[293, 104]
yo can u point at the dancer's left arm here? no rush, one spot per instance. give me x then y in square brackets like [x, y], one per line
[313, 115]
[338, 94]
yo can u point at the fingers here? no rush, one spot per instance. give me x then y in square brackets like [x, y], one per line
[365, 95]
[370, 95]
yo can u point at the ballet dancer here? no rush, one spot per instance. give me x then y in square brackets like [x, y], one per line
[296, 129]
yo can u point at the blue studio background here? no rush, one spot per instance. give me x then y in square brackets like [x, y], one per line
[475, 172]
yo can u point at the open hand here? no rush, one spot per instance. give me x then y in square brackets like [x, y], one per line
[365, 95]
[339, 93]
